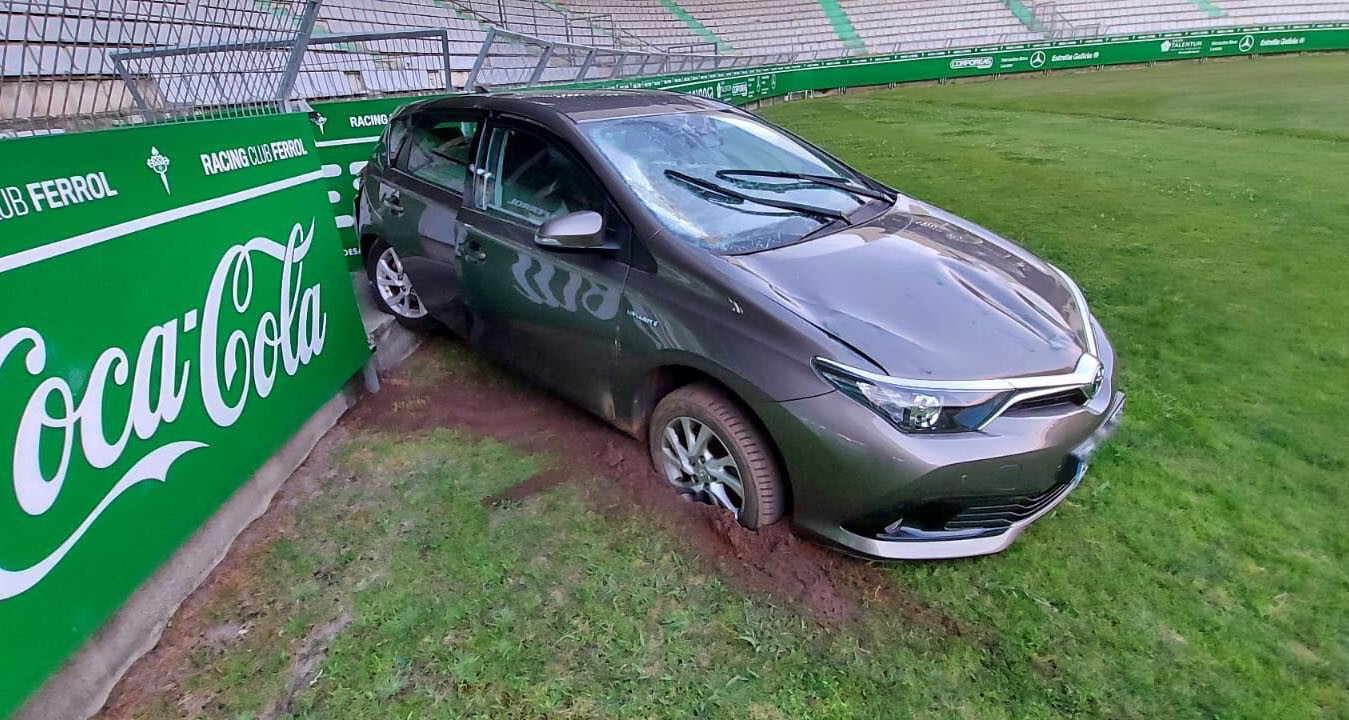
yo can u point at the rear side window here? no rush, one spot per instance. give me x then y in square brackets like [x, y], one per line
[393, 139]
[439, 151]
[533, 180]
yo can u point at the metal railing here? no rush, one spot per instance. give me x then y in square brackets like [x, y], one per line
[71, 65]
[56, 58]
[509, 59]
[1055, 25]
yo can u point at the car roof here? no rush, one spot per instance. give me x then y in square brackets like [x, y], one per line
[579, 105]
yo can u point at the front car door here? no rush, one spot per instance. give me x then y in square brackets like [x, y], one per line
[431, 175]
[552, 314]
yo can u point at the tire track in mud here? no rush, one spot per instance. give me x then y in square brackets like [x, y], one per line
[615, 473]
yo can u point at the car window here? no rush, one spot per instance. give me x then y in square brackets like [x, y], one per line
[393, 139]
[533, 180]
[440, 151]
[645, 149]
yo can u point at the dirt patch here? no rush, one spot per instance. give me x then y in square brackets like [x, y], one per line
[611, 468]
[615, 472]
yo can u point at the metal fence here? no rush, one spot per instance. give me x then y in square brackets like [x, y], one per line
[73, 65]
[508, 59]
[1054, 24]
[61, 72]
[68, 65]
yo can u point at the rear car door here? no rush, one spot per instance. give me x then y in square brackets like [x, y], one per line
[430, 175]
[550, 313]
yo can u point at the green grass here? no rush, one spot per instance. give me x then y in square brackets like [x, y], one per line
[1200, 572]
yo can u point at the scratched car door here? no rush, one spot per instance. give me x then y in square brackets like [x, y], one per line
[431, 173]
[551, 313]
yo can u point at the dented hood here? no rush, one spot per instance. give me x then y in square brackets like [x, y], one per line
[926, 295]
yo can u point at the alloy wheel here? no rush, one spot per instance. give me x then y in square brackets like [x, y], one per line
[395, 288]
[699, 464]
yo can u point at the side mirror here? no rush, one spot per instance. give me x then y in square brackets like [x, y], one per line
[574, 231]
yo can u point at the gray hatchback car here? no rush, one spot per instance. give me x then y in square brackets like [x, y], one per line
[790, 337]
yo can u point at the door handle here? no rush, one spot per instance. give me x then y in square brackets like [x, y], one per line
[394, 202]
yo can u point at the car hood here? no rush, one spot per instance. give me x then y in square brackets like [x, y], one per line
[927, 295]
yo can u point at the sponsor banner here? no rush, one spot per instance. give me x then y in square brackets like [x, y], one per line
[345, 132]
[747, 85]
[176, 306]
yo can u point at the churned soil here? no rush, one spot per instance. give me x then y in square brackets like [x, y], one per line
[611, 468]
[615, 472]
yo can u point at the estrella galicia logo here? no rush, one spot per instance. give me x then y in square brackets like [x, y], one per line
[1246, 43]
[1037, 59]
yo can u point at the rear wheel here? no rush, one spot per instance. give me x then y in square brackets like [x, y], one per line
[393, 290]
[710, 450]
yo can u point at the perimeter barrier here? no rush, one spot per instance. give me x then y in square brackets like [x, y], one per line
[175, 308]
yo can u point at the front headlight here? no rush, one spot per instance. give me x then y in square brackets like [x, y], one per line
[917, 410]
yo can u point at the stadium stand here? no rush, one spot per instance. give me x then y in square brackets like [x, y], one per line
[56, 56]
[931, 24]
[799, 26]
[661, 23]
[1139, 16]
[1254, 12]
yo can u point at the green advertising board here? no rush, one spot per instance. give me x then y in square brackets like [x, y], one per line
[751, 84]
[346, 131]
[176, 306]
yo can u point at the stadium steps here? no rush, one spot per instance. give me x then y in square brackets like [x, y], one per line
[1024, 14]
[1208, 7]
[838, 17]
[703, 32]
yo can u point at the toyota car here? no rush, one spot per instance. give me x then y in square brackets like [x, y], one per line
[792, 338]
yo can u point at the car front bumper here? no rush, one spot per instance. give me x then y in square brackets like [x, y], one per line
[988, 544]
[851, 472]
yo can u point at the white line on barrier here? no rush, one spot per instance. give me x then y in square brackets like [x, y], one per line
[79, 242]
[347, 141]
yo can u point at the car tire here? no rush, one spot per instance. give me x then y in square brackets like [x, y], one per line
[762, 495]
[384, 269]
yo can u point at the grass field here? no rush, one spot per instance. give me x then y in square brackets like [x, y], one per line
[1200, 572]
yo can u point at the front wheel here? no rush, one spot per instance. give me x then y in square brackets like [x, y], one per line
[393, 290]
[710, 450]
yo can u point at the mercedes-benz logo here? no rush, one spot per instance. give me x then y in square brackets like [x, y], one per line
[1246, 43]
[1037, 58]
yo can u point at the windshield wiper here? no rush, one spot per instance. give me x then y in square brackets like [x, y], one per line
[814, 211]
[825, 180]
